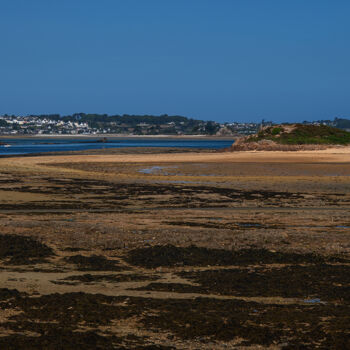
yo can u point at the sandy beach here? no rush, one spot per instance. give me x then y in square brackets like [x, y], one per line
[164, 248]
[331, 155]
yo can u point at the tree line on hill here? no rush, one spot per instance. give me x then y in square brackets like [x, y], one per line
[84, 123]
[132, 124]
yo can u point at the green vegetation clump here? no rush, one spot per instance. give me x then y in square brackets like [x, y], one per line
[300, 134]
[277, 130]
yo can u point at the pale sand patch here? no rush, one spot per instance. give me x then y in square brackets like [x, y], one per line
[15, 197]
[337, 155]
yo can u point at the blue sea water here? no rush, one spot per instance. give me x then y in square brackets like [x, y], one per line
[28, 145]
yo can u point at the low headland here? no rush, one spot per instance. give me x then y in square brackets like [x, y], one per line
[293, 137]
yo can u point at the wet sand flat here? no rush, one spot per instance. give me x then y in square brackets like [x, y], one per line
[245, 250]
[341, 154]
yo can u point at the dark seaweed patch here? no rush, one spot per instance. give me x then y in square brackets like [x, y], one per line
[173, 287]
[21, 250]
[63, 339]
[73, 249]
[93, 263]
[88, 278]
[70, 309]
[300, 327]
[58, 318]
[169, 255]
[326, 282]
[55, 339]
[114, 195]
[229, 226]
[6, 294]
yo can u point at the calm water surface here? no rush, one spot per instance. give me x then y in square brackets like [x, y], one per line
[25, 146]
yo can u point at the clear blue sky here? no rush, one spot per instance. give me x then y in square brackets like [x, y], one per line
[224, 60]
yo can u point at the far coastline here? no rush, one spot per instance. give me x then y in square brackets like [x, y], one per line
[121, 136]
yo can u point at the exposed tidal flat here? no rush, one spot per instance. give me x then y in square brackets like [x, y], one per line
[175, 249]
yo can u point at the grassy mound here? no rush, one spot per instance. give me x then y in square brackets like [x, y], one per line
[300, 134]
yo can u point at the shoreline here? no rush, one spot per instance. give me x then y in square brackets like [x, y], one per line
[172, 154]
[307, 157]
[120, 136]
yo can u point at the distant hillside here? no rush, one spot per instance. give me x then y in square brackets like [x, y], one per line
[293, 136]
[81, 123]
[342, 123]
